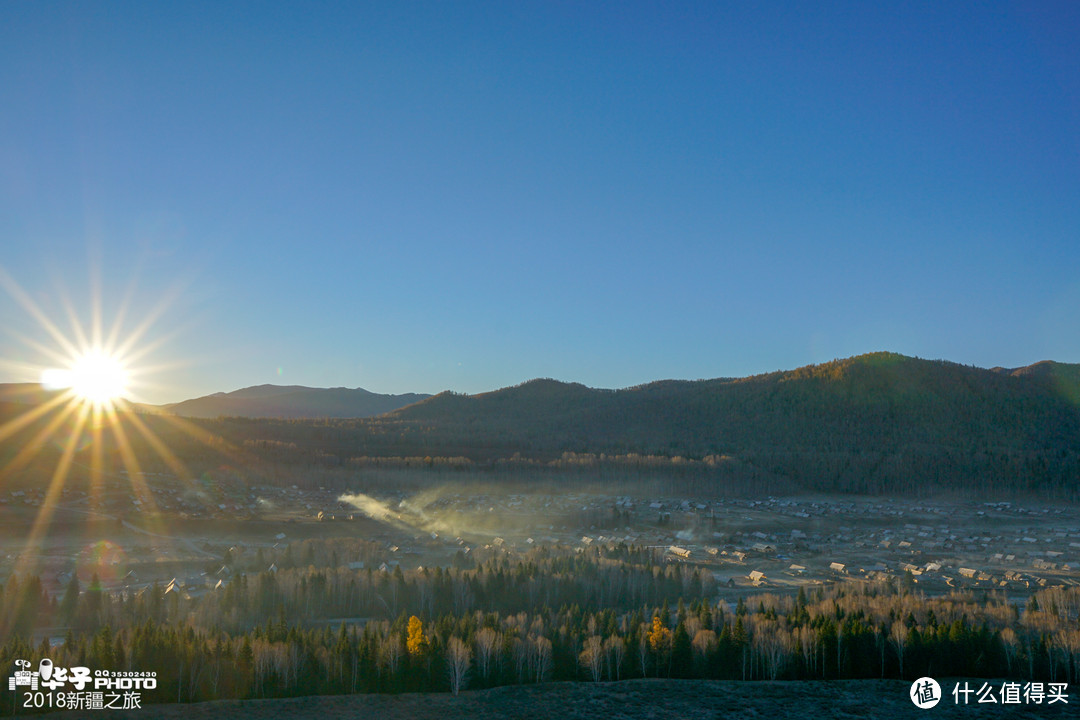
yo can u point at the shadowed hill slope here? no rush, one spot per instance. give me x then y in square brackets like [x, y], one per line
[878, 423]
[841, 423]
[626, 700]
[841, 405]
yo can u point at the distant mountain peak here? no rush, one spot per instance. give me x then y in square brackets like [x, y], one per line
[293, 402]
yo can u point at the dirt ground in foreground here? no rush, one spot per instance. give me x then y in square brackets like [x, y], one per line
[652, 699]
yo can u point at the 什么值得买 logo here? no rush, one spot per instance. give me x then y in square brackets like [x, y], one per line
[925, 693]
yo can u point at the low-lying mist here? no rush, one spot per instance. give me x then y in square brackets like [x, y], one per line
[484, 512]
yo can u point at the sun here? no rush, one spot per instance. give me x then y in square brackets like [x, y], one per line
[98, 377]
[90, 419]
[95, 376]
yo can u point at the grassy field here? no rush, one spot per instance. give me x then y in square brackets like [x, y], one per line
[638, 699]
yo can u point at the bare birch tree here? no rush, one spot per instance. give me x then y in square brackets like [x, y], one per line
[457, 663]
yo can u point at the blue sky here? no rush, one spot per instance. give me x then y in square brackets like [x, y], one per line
[428, 196]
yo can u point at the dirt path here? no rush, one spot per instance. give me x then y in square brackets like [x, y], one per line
[135, 528]
[187, 541]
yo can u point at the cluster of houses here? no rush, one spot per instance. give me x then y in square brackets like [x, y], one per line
[957, 548]
[31, 497]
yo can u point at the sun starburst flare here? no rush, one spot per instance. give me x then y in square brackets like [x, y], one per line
[96, 377]
[85, 413]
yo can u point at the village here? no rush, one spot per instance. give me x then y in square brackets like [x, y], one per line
[196, 537]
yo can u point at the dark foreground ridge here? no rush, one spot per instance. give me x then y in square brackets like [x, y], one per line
[629, 699]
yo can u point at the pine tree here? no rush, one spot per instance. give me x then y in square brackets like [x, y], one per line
[70, 603]
[681, 655]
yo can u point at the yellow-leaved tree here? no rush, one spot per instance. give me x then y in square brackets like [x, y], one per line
[659, 636]
[415, 641]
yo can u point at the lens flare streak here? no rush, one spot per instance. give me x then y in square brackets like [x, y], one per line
[82, 410]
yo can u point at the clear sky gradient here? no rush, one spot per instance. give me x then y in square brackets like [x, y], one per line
[429, 196]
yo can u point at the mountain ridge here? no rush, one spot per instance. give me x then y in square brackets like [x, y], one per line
[292, 402]
[880, 422]
[879, 415]
[854, 367]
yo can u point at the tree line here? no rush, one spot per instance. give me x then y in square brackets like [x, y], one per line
[598, 617]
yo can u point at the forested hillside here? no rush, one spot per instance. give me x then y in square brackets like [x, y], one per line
[874, 423]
